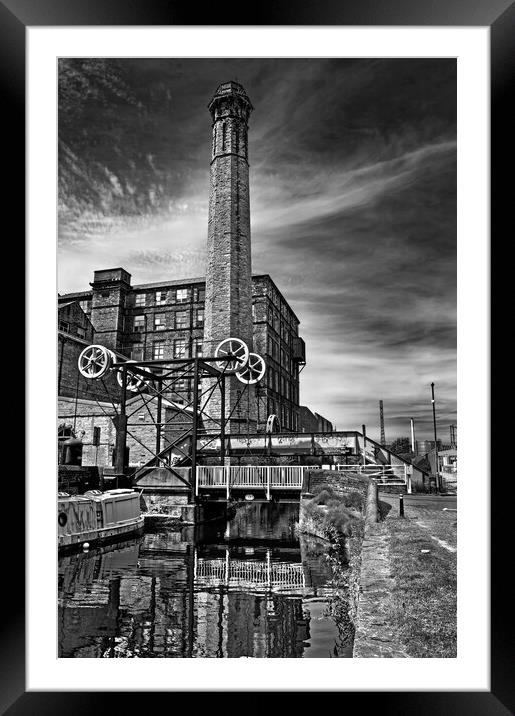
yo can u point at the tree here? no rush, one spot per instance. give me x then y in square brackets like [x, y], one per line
[400, 446]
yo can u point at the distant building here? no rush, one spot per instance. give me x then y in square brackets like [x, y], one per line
[425, 446]
[313, 422]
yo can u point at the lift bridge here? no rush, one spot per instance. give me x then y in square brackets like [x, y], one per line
[156, 380]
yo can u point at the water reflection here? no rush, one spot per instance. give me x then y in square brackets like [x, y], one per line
[248, 588]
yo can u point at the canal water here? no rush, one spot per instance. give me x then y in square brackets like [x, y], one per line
[247, 587]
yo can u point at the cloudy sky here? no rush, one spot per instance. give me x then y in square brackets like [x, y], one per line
[353, 206]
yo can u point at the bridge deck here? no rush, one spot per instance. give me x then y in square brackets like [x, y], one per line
[250, 477]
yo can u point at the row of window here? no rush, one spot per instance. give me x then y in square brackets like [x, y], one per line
[184, 295]
[281, 384]
[178, 295]
[287, 417]
[279, 354]
[280, 326]
[177, 320]
[180, 349]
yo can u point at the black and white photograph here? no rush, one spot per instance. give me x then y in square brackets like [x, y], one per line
[257, 429]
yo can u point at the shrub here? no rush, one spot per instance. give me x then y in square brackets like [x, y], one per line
[321, 488]
[333, 514]
[354, 499]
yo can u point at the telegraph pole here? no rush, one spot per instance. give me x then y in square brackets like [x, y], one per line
[438, 485]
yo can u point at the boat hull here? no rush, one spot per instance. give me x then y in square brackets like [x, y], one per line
[102, 535]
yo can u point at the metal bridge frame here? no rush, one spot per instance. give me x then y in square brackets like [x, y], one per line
[174, 369]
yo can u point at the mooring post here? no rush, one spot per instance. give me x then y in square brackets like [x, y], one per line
[372, 508]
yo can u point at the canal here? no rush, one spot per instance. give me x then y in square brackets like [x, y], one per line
[245, 587]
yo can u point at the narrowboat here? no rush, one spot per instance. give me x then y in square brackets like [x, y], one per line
[97, 517]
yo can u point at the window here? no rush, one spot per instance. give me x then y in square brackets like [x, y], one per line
[140, 299]
[64, 326]
[159, 321]
[182, 385]
[179, 348]
[139, 324]
[181, 295]
[161, 297]
[137, 351]
[197, 346]
[200, 294]
[199, 317]
[81, 332]
[159, 350]
[181, 319]
[96, 435]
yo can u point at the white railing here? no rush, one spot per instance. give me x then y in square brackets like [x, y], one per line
[255, 574]
[267, 477]
[383, 474]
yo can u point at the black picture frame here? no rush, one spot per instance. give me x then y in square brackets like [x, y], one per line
[499, 15]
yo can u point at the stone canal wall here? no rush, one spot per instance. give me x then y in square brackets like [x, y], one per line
[339, 482]
[373, 589]
[374, 637]
[370, 582]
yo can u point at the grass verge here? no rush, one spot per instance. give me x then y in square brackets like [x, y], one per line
[423, 604]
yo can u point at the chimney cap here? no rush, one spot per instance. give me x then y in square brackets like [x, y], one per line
[230, 88]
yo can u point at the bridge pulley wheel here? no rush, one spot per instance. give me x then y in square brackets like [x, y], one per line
[237, 350]
[133, 382]
[254, 371]
[95, 361]
[272, 424]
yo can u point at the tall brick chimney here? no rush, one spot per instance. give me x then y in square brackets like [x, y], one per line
[228, 308]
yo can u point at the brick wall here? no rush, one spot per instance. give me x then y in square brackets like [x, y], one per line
[69, 380]
[86, 415]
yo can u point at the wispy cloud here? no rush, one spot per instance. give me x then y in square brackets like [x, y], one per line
[353, 173]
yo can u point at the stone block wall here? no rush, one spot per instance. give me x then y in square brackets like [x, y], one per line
[76, 480]
[338, 481]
